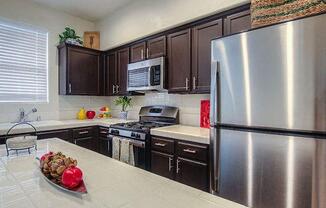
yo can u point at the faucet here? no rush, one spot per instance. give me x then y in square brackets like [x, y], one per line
[23, 115]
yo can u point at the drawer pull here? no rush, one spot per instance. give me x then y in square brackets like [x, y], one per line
[170, 164]
[103, 132]
[83, 132]
[178, 168]
[160, 144]
[190, 151]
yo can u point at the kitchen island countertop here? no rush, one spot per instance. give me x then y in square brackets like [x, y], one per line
[110, 183]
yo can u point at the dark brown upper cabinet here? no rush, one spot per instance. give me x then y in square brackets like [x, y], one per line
[152, 48]
[156, 47]
[138, 52]
[237, 22]
[111, 74]
[201, 54]
[80, 70]
[122, 67]
[179, 61]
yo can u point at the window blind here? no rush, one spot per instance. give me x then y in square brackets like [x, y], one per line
[23, 63]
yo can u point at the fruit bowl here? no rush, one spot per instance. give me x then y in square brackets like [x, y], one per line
[62, 172]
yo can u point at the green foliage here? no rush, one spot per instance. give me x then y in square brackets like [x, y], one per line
[69, 33]
[124, 101]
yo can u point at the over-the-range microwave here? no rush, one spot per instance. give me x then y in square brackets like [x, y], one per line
[146, 75]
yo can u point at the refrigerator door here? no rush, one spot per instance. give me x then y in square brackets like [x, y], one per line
[272, 77]
[268, 170]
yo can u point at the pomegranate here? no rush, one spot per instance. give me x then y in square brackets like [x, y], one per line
[71, 177]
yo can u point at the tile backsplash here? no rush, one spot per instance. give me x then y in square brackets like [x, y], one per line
[189, 105]
[66, 107]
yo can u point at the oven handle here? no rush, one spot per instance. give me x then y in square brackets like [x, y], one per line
[133, 142]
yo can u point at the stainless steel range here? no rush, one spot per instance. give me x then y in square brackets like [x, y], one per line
[139, 132]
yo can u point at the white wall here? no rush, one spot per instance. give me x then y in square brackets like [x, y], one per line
[144, 17]
[59, 107]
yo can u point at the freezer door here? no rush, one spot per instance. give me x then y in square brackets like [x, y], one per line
[268, 170]
[272, 77]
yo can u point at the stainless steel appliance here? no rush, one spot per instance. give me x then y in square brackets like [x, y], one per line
[146, 75]
[268, 116]
[139, 132]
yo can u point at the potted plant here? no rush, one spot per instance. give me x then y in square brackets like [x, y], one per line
[125, 102]
[69, 36]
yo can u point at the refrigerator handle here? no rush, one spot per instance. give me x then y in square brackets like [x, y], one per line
[214, 99]
[214, 158]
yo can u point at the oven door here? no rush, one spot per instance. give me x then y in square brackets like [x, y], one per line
[139, 151]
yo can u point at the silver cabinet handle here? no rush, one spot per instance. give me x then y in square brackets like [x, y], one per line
[83, 132]
[190, 151]
[75, 141]
[187, 83]
[103, 132]
[117, 89]
[159, 144]
[178, 168]
[142, 54]
[194, 83]
[147, 52]
[113, 89]
[170, 164]
[69, 87]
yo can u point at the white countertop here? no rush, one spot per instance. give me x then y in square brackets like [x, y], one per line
[110, 183]
[64, 124]
[181, 132]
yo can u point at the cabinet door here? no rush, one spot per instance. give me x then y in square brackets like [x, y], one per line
[137, 52]
[86, 142]
[192, 173]
[201, 54]
[179, 66]
[64, 134]
[237, 22]
[111, 73]
[162, 164]
[105, 146]
[84, 72]
[123, 61]
[156, 47]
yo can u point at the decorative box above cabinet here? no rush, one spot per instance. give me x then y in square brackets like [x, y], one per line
[80, 70]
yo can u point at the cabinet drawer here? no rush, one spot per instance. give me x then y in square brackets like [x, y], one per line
[163, 145]
[192, 151]
[83, 132]
[103, 132]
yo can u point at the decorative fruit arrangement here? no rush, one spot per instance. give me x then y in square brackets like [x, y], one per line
[61, 170]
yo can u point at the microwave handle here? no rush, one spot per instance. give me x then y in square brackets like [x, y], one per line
[151, 76]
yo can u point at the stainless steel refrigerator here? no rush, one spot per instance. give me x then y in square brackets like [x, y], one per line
[268, 116]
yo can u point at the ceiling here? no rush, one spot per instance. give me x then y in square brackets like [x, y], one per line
[91, 10]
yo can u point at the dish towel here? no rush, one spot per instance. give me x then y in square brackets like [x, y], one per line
[116, 148]
[127, 152]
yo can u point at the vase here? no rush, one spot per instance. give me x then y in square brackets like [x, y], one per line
[124, 115]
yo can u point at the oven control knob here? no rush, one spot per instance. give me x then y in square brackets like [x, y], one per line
[116, 132]
[133, 134]
[138, 136]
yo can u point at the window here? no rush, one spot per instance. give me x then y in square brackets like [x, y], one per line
[23, 63]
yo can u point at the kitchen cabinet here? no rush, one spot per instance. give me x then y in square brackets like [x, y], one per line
[185, 162]
[80, 70]
[192, 173]
[104, 143]
[162, 164]
[156, 47]
[179, 61]
[137, 52]
[111, 74]
[237, 22]
[201, 54]
[122, 68]
[150, 49]
[85, 137]
[64, 134]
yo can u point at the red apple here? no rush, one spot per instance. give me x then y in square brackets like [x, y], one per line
[90, 114]
[72, 177]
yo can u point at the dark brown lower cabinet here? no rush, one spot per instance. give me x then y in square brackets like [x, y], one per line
[192, 173]
[86, 142]
[64, 134]
[163, 164]
[105, 146]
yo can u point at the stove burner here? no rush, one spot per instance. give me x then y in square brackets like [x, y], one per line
[140, 126]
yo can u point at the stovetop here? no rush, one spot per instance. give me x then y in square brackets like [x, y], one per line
[140, 126]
